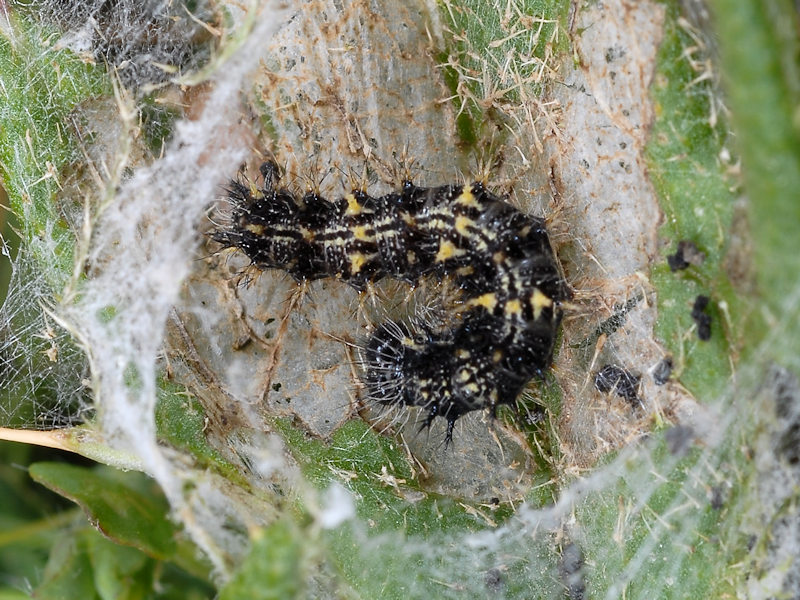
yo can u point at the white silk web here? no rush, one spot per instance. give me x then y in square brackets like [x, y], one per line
[325, 86]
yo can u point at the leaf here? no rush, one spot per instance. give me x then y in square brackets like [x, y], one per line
[34, 143]
[120, 512]
[120, 572]
[68, 573]
[272, 570]
[84, 564]
[759, 50]
[697, 199]
[395, 513]
[180, 421]
[8, 594]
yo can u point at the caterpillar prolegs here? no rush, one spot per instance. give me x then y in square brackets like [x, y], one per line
[499, 258]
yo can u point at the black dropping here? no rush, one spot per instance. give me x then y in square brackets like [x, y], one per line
[717, 497]
[676, 262]
[786, 390]
[701, 319]
[612, 323]
[495, 582]
[679, 438]
[621, 382]
[686, 254]
[534, 415]
[662, 370]
[571, 570]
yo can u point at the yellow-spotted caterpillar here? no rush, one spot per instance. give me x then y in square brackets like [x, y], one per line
[500, 259]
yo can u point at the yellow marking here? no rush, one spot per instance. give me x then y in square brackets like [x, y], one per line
[488, 301]
[439, 224]
[499, 257]
[408, 219]
[539, 302]
[497, 356]
[514, 307]
[307, 234]
[411, 257]
[473, 388]
[468, 270]
[353, 207]
[462, 353]
[488, 234]
[357, 260]
[254, 228]
[337, 242]
[361, 233]
[463, 224]
[467, 198]
[446, 250]
[463, 375]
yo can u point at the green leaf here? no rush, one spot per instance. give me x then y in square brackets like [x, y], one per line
[272, 570]
[8, 594]
[69, 571]
[394, 512]
[84, 564]
[30, 517]
[119, 511]
[39, 86]
[180, 420]
[480, 40]
[120, 572]
[697, 197]
[637, 540]
[378, 474]
[759, 50]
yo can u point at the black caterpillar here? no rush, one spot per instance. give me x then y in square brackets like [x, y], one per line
[500, 258]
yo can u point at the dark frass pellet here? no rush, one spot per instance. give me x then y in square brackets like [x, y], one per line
[701, 318]
[662, 370]
[686, 254]
[623, 383]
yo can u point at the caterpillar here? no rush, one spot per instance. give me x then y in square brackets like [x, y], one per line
[498, 257]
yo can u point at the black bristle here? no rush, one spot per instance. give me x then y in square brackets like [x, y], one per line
[499, 257]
